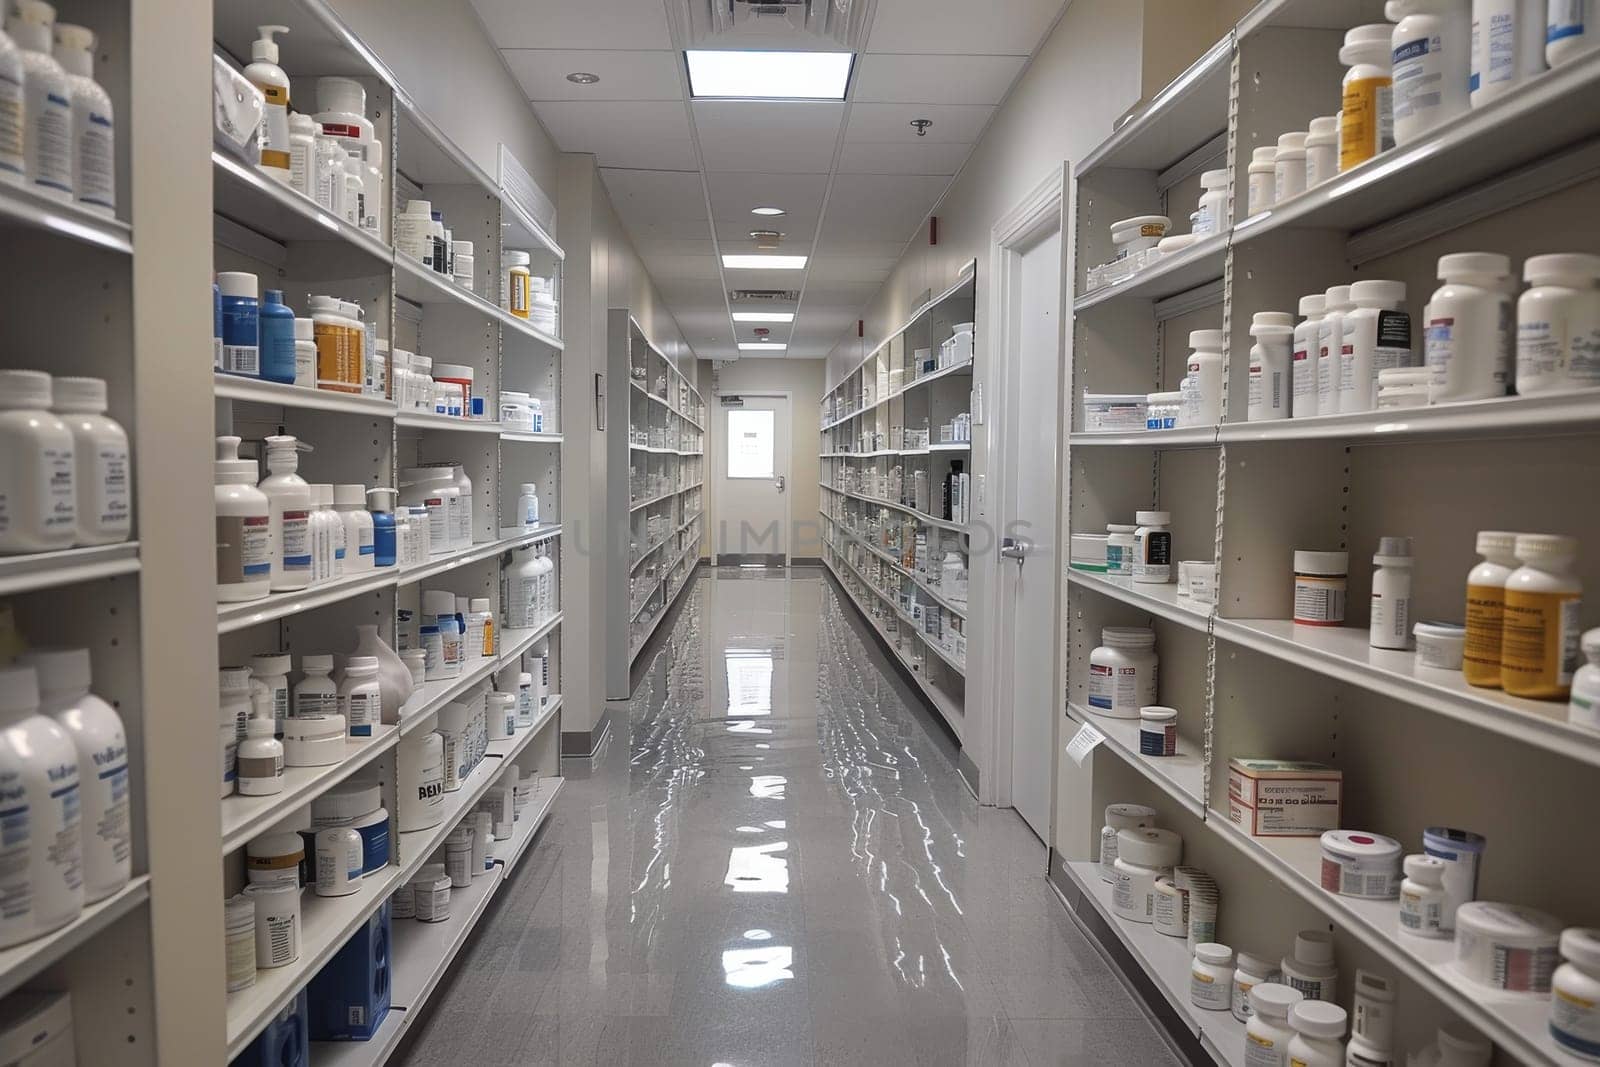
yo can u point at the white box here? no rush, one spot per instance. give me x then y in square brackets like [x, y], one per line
[1283, 798]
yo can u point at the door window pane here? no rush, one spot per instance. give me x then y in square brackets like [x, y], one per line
[750, 444]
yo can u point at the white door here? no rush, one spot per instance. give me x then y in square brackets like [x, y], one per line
[1028, 581]
[753, 480]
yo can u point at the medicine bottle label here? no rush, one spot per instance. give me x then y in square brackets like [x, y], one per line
[1367, 123]
[1540, 651]
[1421, 915]
[53, 490]
[244, 548]
[308, 705]
[16, 836]
[1262, 1051]
[1564, 19]
[297, 540]
[112, 497]
[1575, 1022]
[1540, 343]
[50, 157]
[1319, 600]
[11, 119]
[96, 169]
[1486, 606]
[364, 707]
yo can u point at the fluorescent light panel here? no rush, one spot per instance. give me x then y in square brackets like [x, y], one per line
[769, 75]
[763, 316]
[742, 262]
[761, 346]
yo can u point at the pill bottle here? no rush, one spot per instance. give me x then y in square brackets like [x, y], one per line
[93, 121]
[1289, 166]
[1440, 644]
[1143, 855]
[1211, 976]
[1303, 357]
[1203, 900]
[1422, 897]
[463, 263]
[360, 698]
[1203, 386]
[302, 155]
[239, 941]
[1320, 580]
[1430, 52]
[1120, 817]
[416, 661]
[241, 323]
[1558, 324]
[1212, 218]
[1486, 601]
[1570, 30]
[1262, 186]
[355, 192]
[452, 729]
[403, 903]
[338, 862]
[1122, 671]
[1376, 337]
[1508, 47]
[413, 232]
[314, 740]
[1311, 971]
[1583, 709]
[1270, 361]
[38, 465]
[1158, 731]
[431, 893]
[1507, 946]
[516, 282]
[316, 693]
[458, 855]
[45, 111]
[1360, 864]
[1322, 150]
[1170, 909]
[1461, 851]
[1372, 1020]
[1152, 547]
[1331, 346]
[233, 708]
[1469, 337]
[1390, 624]
[305, 352]
[480, 627]
[333, 333]
[1402, 387]
[1268, 1033]
[289, 507]
[1540, 644]
[102, 474]
[421, 778]
[1318, 1039]
[1249, 971]
[1367, 117]
[277, 924]
[260, 759]
[269, 685]
[274, 859]
[1575, 994]
[482, 842]
[1120, 549]
[460, 376]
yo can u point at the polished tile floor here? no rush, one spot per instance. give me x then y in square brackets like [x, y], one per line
[774, 862]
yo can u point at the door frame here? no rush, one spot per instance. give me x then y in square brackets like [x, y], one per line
[719, 422]
[1048, 206]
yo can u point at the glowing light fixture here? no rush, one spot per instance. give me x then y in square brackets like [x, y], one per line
[768, 211]
[763, 316]
[735, 261]
[768, 75]
[762, 346]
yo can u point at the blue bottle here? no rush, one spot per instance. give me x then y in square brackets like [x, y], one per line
[383, 542]
[277, 338]
[241, 324]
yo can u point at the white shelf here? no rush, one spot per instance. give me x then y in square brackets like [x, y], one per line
[964, 367]
[1181, 777]
[533, 817]
[1190, 111]
[1511, 416]
[246, 196]
[432, 696]
[668, 599]
[920, 516]
[1161, 600]
[427, 420]
[20, 963]
[1187, 437]
[530, 438]
[245, 818]
[69, 566]
[231, 617]
[420, 285]
[23, 209]
[449, 561]
[276, 394]
[1196, 265]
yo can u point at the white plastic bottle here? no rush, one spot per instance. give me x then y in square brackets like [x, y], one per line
[328, 175]
[1422, 897]
[316, 693]
[360, 699]
[372, 189]
[1270, 360]
[439, 609]
[413, 232]
[1390, 625]
[1330, 347]
[1203, 389]
[342, 114]
[269, 686]
[259, 759]
[1268, 1033]
[1376, 336]
[1570, 30]
[13, 158]
[1289, 166]
[1468, 337]
[303, 155]
[528, 505]
[47, 101]
[1322, 150]
[1318, 1039]
[355, 190]
[350, 501]
[1558, 324]
[1583, 706]
[41, 876]
[101, 744]
[1263, 186]
[38, 497]
[1304, 358]
[1575, 994]
[547, 586]
[102, 472]
[480, 630]
[265, 74]
[244, 527]
[289, 506]
[1431, 49]
[1152, 546]
[1213, 214]
[521, 589]
[465, 521]
[1508, 46]
[94, 158]
[1366, 124]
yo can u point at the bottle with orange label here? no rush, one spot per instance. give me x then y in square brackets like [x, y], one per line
[1366, 124]
[336, 336]
[1486, 604]
[1543, 619]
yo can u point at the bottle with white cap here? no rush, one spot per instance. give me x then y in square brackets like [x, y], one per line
[1289, 166]
[439, 609]
[359, 547]
[303, 155]
[13, 160]
[1311, 971]
[1270, 360]
[265, 74]
[528, 505]
[38, 482]
[1558, 324]
[42, 882]
[1336, 306]
[1303, 373]
[46, 99]
[244, 527]
[1366, 122]
[97, 734]
[1390, 625]
[1262, 178]
[1468, 337]
[1431, 47]
[102, 473]
[1203, 386]
[1318, 1039]
[1457, 1046]
[413, 232]
[1543, 616]
[1268, 1033]
[94, 157]
[1376, 336]
[1508, 44]
[289, 505]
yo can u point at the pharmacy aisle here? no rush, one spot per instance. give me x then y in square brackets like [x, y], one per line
[1328, 542]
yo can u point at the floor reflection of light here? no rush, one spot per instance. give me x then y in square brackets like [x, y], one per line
[758, 935]
[758, 869]
[754, 968]
[749, 830]
[768, 786]
[747, 727]
[749, 682]
[778, 824]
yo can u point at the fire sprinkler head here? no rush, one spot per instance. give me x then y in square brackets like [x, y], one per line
[921, 126]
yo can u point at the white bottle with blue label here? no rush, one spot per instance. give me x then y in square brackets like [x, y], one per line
[41, 849]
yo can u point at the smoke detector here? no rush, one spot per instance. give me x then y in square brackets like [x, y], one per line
[764, 296]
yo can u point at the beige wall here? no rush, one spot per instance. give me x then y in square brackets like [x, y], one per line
[802, 380]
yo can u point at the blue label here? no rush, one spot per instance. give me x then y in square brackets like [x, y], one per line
[367, 550]
[259, 569]
[1100, 702]
[1411, 50]
[1568, 29]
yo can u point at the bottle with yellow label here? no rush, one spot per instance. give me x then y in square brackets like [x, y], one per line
[1486, 603]
[1366, 125]
[265, 74]
[1543, 619]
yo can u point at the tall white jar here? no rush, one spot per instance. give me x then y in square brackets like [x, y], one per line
[42, 877]
[1558, 324]
[1468, 335]
[101, 469]
[38, 496]
[1431, 61]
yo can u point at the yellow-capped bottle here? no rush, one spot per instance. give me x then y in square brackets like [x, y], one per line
[1543, 625]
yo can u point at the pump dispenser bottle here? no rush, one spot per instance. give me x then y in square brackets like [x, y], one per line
[244, 527]
[265, 74]
[93, 151]
[289, 505]
[46, 99]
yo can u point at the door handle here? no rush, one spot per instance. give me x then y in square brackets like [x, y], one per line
[1016, 548]
[780, 483]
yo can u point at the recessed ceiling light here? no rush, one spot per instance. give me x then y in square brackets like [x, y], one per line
[769, 75]
[583, 77]
[738, 262]
[761, 346]
[768, 211]
[763, 316]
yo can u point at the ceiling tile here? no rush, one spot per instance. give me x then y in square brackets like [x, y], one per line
[542, 73]
[575, 23]
[926, 158]
[657, 194]
[735, 235]
[783, 136]
[881, 207]
[851, 269]
[891, 123]
[935, 79]
[855, 249]
[635, 134]
[701, 267]
[960, 27]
